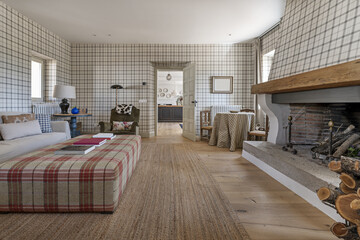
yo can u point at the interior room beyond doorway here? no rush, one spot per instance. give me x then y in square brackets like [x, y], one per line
[170, 101]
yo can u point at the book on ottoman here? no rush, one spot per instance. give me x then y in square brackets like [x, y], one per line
[108, 136]
[74, 150]
[91, 141]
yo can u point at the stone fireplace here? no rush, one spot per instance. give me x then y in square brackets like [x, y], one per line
[312, 99]
[310, 115]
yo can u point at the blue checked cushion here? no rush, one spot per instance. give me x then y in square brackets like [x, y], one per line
[44, 121]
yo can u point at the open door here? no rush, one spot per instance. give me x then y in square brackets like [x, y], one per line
[189, 103]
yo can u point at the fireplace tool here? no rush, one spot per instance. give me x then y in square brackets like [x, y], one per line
[289, 146]
[331, 125]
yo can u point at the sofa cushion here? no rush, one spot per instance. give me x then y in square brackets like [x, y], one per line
[16, 130]
[7, 114]
[121, 126]
[44, 121]
[124, 109]
[18, 118]
[10, 149]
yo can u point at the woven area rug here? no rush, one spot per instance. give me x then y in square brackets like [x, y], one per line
[171, 195]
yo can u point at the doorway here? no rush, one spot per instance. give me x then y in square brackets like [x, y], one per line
[170, 102]
[189, 95]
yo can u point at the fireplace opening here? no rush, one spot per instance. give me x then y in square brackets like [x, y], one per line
[310, 129]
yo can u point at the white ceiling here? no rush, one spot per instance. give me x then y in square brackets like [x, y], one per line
[153, 21]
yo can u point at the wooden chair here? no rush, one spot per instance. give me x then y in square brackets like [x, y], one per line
[205, 124]
[247, 110]
[257, 133]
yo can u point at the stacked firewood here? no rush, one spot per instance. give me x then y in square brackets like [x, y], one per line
[341, 141]
[346, 198]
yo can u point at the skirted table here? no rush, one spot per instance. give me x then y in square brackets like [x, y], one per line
[73, 117]
[231, 129]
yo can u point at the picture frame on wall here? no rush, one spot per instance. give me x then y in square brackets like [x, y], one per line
[222, 84]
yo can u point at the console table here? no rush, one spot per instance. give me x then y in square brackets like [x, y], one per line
[73, 117]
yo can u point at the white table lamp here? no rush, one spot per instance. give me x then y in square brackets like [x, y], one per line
[64, 92]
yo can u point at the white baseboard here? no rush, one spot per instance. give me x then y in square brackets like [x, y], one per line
[294, 186]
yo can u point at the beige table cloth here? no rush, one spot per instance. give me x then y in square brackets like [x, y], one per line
[231, 129]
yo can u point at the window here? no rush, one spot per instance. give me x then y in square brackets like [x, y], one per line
[266, 65]
[37, 79]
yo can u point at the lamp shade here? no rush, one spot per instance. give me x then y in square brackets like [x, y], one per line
[62, 91]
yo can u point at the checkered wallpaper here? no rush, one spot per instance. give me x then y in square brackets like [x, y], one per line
[269, 40]
[316, 34]
[96, 67]
[19, 36]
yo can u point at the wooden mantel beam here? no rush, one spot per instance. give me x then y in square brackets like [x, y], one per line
[341, 75]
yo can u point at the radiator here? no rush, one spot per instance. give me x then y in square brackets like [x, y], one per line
[46, 108]
[223, 108]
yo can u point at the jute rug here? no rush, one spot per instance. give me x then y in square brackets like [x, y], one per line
[171, 195]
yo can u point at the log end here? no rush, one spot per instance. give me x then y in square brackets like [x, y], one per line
[355, 204]
[342, 205]
[339, 229]
[348, 180]
[335, 166]
[346, 189]
[323, 193]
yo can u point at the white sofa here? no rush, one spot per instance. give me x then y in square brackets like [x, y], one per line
[19, 146]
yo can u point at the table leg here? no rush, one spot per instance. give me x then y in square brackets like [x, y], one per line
[73, 127]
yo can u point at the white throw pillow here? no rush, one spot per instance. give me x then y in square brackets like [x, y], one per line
[17, 130]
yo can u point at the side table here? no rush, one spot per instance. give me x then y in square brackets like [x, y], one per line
[73, 121]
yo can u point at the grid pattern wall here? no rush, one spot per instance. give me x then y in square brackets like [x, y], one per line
[268, 43]
[19, 36]
[316, 34]
[96, 67]
[269, 40]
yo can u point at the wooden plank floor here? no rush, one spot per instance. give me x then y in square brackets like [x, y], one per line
[267, 209]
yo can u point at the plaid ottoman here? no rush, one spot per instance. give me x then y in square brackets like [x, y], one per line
[44, 182]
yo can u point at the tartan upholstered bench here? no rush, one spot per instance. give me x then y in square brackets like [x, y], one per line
[44, 182]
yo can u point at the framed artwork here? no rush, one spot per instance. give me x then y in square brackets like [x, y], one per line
[222, 84]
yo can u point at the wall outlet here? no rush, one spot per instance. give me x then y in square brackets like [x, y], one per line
[142, 100]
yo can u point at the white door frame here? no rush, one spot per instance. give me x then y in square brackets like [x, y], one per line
[156, 69]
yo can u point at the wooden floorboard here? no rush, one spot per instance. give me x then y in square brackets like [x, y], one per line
[267, 209]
